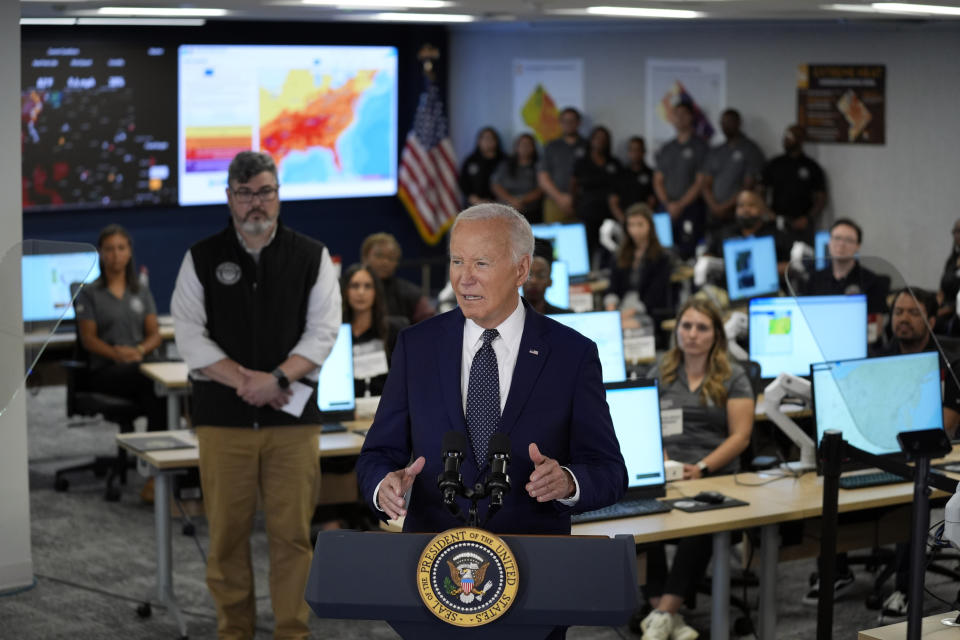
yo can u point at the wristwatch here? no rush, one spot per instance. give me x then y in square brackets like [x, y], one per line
[704, 469]
[281, 378]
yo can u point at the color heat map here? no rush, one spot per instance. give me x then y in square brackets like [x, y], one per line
[316, 131]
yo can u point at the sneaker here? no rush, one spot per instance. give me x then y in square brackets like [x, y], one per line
[895, 606]
[841, 585]
[681, 630]
[658, 625]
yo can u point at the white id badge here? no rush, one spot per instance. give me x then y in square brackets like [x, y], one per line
[369, 361]
[671, 422]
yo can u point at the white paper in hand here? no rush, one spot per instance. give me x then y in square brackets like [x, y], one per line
[296, 403]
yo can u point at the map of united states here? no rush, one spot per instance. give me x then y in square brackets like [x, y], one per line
[306, 115]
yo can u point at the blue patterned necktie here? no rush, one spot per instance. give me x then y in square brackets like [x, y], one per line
[483, 397]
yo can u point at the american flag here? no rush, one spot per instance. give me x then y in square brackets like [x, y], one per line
[428, 184]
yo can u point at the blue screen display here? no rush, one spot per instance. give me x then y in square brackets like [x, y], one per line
[335, 387]
[603, 327]
[787, 335]
[751, 267]
[636, 419]
[664, 227]
[871, 400]
[46, 280]
[569, 245]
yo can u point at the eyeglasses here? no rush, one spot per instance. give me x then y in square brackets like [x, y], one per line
[246, 196]
[843, 239]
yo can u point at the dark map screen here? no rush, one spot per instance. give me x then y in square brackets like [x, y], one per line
[98, 125]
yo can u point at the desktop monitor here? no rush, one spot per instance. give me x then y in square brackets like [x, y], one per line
[820, 248]
[603, 327]
[664, 227]
[46, 280]
[751, 267]
[871, 400]
[558, 293]
[569, 245]
[635, 411]
[787, 335]
[335, 396]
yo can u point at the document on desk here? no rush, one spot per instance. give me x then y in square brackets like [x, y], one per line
[297, 401]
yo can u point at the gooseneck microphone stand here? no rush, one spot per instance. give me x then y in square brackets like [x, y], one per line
[920, 447]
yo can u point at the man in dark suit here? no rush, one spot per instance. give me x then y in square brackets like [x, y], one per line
[493, 364]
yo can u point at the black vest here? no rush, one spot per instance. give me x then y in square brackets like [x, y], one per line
[256, 313]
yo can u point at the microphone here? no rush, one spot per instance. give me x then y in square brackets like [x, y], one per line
[449, 481]
[498, 482]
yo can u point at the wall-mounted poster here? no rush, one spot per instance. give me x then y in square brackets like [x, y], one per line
[541, 89]
[700, 83]
[842, 102]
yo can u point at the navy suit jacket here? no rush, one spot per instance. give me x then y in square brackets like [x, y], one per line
[556, 400]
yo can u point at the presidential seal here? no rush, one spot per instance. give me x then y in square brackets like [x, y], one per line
[467, 577]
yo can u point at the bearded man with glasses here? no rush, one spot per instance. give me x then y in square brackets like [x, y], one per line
[257, 310]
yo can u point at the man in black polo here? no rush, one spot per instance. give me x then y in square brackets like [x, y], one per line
[257, 311]
[844, 274]
[635, 182]
[796, 186]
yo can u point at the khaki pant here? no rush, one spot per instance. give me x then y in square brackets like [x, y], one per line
[282, 463]
[553, 213]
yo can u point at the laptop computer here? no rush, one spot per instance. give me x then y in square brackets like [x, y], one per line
[635, 410]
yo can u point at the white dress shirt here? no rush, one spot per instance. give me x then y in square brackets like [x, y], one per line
[506, 346]
[190, 318]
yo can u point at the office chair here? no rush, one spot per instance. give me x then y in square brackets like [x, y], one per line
[83, 400]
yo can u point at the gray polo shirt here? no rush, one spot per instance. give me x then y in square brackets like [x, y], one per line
[558, 159]
[520, 183]
[119, 320]
[731, 163]
[704, 425]
[680, 163]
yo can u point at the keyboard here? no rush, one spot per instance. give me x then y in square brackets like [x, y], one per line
[876, 479]
[623, 509]
[332, 427]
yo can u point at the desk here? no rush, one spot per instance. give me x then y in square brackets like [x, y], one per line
[770, 504]
[163, 465]
[169, 381]
[931, 629]
[68, 338]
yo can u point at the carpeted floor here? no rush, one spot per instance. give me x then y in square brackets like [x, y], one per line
[94, 561]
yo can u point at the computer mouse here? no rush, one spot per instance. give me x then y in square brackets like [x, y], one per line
[710, 497]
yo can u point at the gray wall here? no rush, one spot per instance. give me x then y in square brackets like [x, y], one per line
[905, 193]
[16, 568]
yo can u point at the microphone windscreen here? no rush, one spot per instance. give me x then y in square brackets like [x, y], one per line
[454, 440]
[500, 444]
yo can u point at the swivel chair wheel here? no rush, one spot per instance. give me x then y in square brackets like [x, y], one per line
[144, 610]
[112, 494]
[61, 484]
[189, 529]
